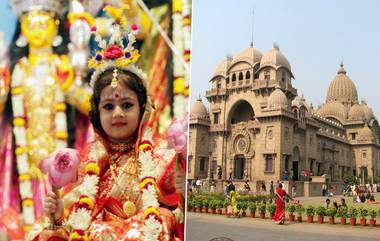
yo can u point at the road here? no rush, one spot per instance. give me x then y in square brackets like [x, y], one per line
[205, 227]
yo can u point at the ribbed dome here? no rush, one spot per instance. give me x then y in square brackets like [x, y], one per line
[250, 55]
[356, 113]
[275, 59]
[198, 108]
[277, 99]
[333, 109]
[342, 88]
[221, 69]
[366, 134]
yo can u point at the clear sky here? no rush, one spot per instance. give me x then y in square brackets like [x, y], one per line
[7, 20]
[315, 36]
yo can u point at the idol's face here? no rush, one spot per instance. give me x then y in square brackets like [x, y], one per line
[39, 28]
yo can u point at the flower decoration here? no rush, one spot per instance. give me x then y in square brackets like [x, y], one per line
[178, 135]
[61, 166]
[114, 53]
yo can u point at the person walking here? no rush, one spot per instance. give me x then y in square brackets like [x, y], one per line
[279, 215]
[324, 189]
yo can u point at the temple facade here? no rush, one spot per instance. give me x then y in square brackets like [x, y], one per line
[258, 128]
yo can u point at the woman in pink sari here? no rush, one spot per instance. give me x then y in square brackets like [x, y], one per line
[279, 216]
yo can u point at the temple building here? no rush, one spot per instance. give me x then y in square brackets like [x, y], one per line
[258, 128]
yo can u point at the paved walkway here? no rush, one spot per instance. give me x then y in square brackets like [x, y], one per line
[204, 227]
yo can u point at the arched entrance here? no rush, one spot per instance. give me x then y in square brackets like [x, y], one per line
[242, 112]
[239, 167]
[294, 172]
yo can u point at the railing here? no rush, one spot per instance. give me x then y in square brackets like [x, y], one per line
[215, 91]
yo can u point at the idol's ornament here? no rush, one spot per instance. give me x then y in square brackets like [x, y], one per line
[41, 84]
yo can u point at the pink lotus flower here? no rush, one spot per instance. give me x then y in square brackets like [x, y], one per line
[178, 135]
[62, 167]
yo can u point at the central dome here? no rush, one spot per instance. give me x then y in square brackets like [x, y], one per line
[342, 89]
[275, 59]
[250, 55]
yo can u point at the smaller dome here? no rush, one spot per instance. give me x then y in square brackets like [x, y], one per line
[333, 109]
[250, 55]
[299, 100]
[275, 59]
[221, 69]
[356, 113]
[367, 111]
[198, 109]
[365, 134]
[277, 99]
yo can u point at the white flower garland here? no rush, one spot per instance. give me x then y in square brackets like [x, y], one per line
[19, 130]
[80, 219]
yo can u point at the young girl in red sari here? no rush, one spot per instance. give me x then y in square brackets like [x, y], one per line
[126, 189]
[279, 216]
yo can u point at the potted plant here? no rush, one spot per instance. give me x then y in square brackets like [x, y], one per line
[363, 214]
[300, 210]
[321, 212]
[205, 203]
[310, 211]
[262, 209]
[342, 212]
[238, 207]
[225, 204]
[244, 206]
[252, 209]
[198, 205]
[219, 206]
[291, 209]
[353, 213]
[331, 212]
[372, 213]
[271, 209]
[212, 206]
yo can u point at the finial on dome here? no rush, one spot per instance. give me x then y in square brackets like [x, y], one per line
[199, 98]
[277, 87]
[276, 46]
[341, 69]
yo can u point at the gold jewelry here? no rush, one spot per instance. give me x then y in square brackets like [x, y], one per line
[122, 147]
[129, 208]
[114, 79]
[131, 169]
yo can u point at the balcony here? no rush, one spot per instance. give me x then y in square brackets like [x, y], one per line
[215, 92]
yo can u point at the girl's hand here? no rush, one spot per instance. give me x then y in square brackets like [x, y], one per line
[53, 205]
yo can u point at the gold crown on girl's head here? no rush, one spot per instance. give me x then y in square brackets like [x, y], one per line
[113, 54]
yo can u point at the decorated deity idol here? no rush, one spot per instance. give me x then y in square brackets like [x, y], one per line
[127, 186]
[41, 86]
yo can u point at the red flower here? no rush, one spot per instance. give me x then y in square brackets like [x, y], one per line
[113, 52]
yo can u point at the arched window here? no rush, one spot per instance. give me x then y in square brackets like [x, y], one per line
[241, 76]
[248, 75]
[233, 77]
[228, 80]
[267, 75]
